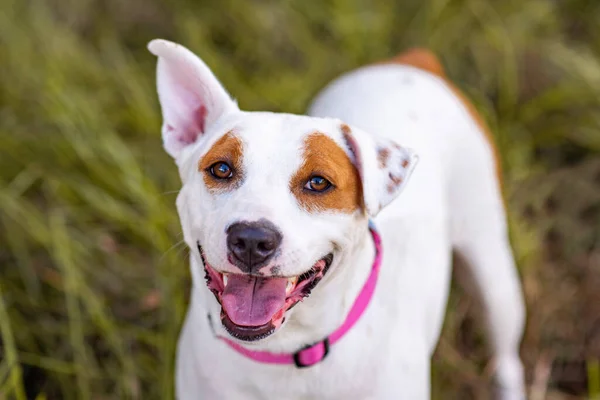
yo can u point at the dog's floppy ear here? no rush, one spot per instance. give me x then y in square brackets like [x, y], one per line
[384, 167]
[190, 95]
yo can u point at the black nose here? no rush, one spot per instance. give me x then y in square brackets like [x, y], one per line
[252, 244]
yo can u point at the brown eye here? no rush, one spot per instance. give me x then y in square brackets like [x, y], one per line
[317, 184]
[221, 170]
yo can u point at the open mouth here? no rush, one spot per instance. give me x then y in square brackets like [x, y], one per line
[253, 307]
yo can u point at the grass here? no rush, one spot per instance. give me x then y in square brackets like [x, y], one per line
[93, 275]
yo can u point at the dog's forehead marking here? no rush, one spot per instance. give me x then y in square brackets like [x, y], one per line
[228, 149]
[322, 156]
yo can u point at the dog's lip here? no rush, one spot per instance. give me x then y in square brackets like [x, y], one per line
[299, 287]
[246, 333]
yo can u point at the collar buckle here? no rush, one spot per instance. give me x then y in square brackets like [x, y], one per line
[311, 354]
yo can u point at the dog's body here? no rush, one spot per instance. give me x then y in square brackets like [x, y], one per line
[452, 202]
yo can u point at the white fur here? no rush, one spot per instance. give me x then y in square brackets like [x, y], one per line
[452, 201]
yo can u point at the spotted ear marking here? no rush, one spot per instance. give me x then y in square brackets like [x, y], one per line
[384, 166]
[383, 156]
[398, 168]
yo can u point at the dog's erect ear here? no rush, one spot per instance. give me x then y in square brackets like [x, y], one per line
[384, 167]
[190, 95]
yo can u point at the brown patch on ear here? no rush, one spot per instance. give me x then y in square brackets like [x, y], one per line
[426, 60]
[324, 157]
[397, 180]
[227, 149]
[404, 163]
[345, 129]
[347, 134]
[383, 155]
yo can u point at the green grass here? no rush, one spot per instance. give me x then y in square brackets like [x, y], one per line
[93, 276]
[593, 370]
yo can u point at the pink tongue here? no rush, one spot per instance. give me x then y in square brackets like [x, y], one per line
[252, 301]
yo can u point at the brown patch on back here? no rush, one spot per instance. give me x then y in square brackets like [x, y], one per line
[227, 149]
[427, 61]
[483, 127]
[422, 59]
[324, 157]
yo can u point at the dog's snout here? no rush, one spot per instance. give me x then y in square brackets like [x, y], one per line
[252, 244]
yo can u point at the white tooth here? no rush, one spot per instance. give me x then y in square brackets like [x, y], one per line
[225, 279]
[291, 283]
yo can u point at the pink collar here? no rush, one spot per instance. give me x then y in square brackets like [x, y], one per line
[314, 353]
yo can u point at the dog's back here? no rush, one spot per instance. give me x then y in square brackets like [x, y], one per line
[454, 201]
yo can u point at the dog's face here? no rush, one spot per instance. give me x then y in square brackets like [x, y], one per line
[270, 202]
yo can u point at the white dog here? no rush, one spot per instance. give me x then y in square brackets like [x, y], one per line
[295, 295]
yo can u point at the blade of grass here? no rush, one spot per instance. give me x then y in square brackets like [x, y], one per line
[60, 247]
[593, 375]
[14, 383]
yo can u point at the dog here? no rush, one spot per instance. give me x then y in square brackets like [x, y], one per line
[321, 244]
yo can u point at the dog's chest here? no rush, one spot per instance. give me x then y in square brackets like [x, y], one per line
[366, 362]
[348, 376]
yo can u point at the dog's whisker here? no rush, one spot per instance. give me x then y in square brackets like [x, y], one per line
[175, 246]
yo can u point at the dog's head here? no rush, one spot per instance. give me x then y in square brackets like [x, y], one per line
[270, 202]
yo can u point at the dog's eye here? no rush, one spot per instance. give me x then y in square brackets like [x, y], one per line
[221, 170]
[317, 184]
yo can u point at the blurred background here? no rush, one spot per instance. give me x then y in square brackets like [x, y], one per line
[93, 273]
